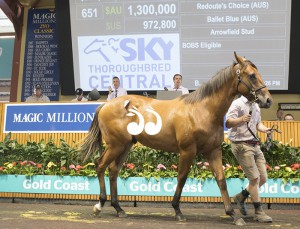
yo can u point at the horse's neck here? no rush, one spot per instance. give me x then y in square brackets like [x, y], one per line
[221, 100]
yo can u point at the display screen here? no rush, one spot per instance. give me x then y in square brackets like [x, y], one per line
[145, 43]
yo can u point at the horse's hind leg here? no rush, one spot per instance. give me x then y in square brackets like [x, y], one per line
[114, 169]
[215, 163]
[100, 169]
[110, 154]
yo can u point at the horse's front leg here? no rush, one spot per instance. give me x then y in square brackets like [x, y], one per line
[185, 162]
[215, 163]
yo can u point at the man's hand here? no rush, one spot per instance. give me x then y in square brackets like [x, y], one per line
[233, 122]
[109, 90]
[246, 118]
[268, 131]
[262, 128]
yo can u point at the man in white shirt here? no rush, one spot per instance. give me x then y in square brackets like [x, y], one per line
[37, 96]
[177, 79]
[79, 96]
[244, 120]
[116, 90]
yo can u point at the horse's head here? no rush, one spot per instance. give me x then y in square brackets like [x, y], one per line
[250, 83]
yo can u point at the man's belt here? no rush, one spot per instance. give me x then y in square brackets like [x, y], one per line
[249, 142]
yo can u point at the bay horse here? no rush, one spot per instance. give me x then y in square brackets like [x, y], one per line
[190, 124]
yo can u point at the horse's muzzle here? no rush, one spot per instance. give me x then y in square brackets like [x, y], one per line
[265, 104]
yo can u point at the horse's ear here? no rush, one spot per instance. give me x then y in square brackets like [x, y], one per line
[239, 59]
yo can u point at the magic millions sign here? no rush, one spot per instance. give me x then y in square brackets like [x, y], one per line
[49, 118]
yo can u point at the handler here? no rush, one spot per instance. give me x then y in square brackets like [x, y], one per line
[244, 119]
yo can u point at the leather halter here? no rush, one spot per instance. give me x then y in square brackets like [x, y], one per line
[251, 89]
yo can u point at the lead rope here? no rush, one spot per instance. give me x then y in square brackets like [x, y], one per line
[250, 113]
[252, 133]
[269, 139]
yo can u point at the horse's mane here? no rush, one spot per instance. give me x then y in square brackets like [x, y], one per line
[211, 86]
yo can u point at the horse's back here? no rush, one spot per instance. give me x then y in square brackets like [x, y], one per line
[117, 114]
[181, 121]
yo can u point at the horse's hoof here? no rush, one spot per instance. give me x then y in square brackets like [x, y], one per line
[122, 214]
[180, 218]
[239, 222]
[96, 209]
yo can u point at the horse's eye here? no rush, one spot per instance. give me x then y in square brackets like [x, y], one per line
[252, 76]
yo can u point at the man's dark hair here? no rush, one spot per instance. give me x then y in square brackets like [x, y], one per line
[177, 74]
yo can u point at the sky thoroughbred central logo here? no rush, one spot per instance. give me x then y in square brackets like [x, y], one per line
[131, 49]
[141, 61]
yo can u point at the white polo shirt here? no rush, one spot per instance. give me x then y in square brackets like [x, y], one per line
[238, 108]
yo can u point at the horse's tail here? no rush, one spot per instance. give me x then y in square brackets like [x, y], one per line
[93, 140]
